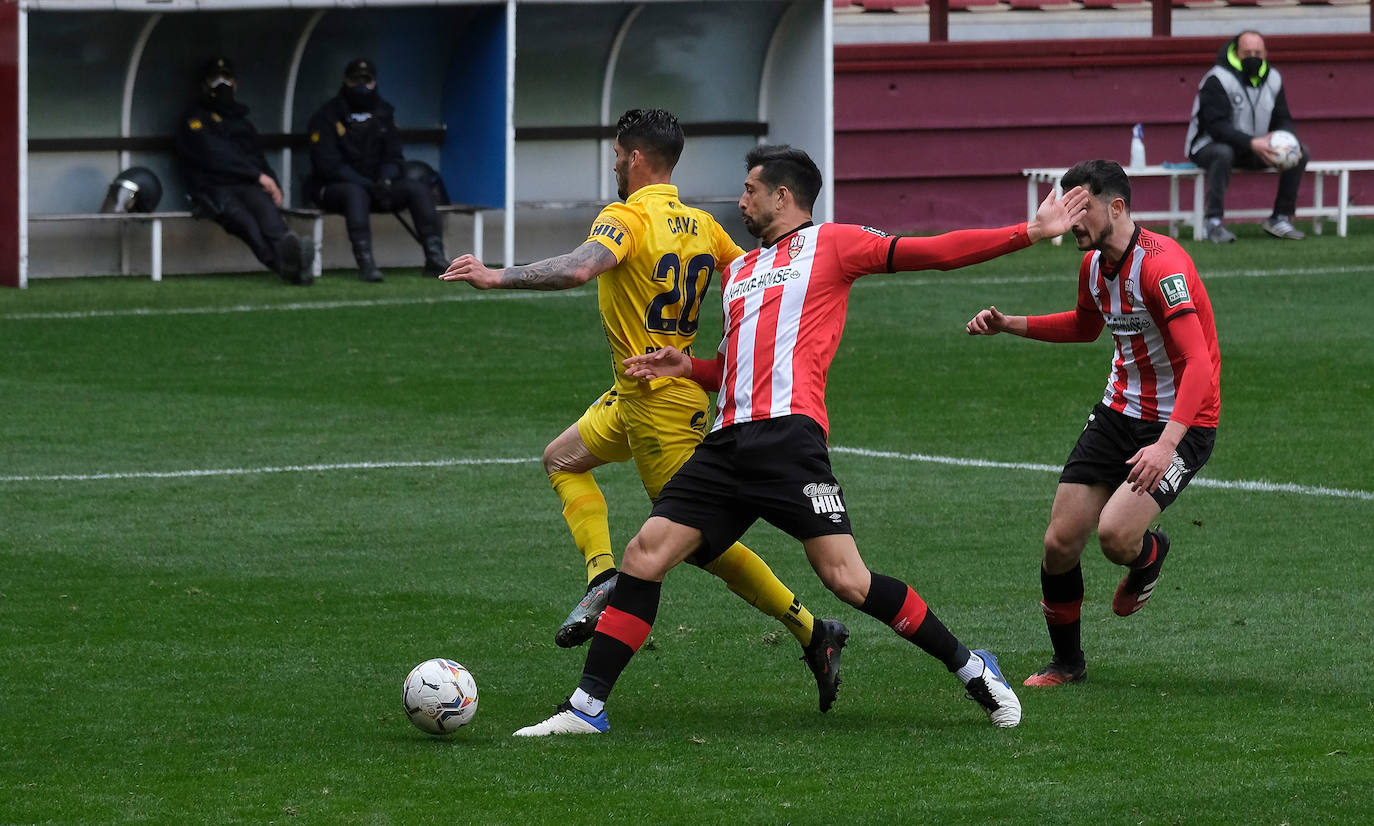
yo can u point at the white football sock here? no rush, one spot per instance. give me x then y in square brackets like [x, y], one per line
[972, 668]
[587, 704]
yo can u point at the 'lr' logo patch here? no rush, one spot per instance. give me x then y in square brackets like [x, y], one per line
[1175, 289]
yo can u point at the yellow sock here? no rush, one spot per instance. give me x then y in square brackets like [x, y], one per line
[584, 509]
[751, 578]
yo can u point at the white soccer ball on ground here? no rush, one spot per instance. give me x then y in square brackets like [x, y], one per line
[1286, 145]
[440, 696]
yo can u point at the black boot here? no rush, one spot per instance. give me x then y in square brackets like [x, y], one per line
[306, 276]
[296, 255]
[435, 260]
[367, 267]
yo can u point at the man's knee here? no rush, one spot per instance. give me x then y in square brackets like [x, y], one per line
[556, 460]
[650, 554]
[848, 586]
[1119, 543]
[1063, 548]
[841, 570]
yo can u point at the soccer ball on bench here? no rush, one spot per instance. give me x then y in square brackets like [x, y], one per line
[1288, 149]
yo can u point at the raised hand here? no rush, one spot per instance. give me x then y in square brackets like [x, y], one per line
[1057, 214]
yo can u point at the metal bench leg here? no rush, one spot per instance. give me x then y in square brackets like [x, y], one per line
[317, 238]
[1317, 203]
[156, 250]
[1174, 215]
[1199, 231]
[1342, 200]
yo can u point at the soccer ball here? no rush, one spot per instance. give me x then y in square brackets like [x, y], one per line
[440, 696]
[1288, 149]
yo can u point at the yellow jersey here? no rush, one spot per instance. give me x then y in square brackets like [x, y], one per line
[666, 252]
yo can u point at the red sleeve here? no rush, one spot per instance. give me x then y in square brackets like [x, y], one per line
[956, 249]
[861, 250]
[1074, 325]
[708, 372]
[1185, 332]
[1083, 323]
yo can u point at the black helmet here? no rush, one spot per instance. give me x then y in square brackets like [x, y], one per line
[217, 67]
[136, 189]
[424, 173]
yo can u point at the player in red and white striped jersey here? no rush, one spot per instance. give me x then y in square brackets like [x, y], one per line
[767, 456]
[1156, 423]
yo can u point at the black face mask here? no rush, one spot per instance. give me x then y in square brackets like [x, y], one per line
[360, 98]
[220, 95]
[1251, 66]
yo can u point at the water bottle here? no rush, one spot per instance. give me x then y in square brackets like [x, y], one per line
[1138, 146]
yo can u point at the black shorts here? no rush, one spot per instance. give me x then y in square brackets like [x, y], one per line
[775, 469]
[1110, 438]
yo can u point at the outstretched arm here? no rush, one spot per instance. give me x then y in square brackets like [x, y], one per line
[992, 321]
[1071, 326]
[972, 246]
[562, 272]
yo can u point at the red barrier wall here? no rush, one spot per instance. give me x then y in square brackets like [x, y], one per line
[933, 136]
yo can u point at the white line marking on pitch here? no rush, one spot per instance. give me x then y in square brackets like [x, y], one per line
[248, 471]
[456, 297]
[1258, 486]
[466, 294]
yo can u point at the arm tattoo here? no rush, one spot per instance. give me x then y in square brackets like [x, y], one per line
[562, 271]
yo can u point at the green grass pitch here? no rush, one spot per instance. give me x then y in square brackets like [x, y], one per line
[236, 514]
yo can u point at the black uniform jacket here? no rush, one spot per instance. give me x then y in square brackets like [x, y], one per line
[219, 146]
[354, 147]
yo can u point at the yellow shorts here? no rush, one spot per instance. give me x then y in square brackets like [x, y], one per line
[659, 430]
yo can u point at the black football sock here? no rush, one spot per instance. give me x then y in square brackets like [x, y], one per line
[1149, 547]
[1063, 605]
[623, 627]
[897, 604]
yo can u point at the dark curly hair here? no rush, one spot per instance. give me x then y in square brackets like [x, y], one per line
[789, 167]
[654, 132]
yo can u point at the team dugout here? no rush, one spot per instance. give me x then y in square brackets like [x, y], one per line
[512, 102]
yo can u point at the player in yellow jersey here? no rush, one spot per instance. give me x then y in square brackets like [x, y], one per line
[652, 257]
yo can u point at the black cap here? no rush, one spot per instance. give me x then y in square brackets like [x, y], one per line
[361, 69]
[217, 67]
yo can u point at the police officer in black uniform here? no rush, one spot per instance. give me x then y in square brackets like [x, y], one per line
[229, 180]
[357, 168]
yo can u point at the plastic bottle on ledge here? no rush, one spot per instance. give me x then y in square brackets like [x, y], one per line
[1138, 146]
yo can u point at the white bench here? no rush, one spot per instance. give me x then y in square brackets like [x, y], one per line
[1176, 214]
[154, 220]
[316, 218]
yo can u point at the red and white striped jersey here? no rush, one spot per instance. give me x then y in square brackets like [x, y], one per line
[785, 308]
[1155, 282]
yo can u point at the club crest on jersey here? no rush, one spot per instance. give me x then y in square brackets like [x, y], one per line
[794, 247]
[1175, 289]
[825, 498]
